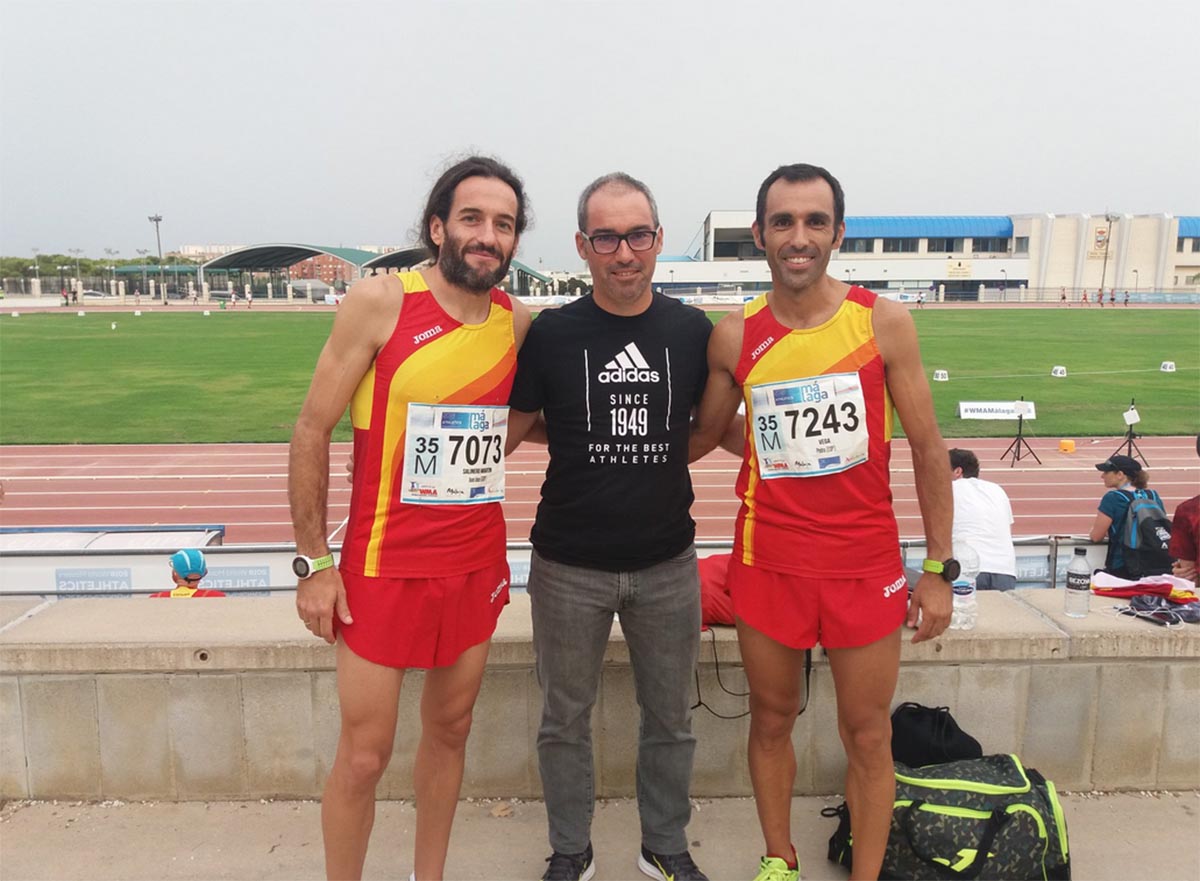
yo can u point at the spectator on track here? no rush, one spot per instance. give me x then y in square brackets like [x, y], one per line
[983, 519]
[188, 569]
[1122, 475]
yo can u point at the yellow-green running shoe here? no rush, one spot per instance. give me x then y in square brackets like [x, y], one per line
[775, 869]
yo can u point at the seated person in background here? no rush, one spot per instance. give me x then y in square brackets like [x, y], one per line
[187, 571]
[1122, 475]
[983, 519]
[1185, 535]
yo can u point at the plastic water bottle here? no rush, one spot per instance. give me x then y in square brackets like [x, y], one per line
[1079, 585]
[966, 607]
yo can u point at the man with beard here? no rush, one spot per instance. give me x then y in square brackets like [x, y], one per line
[616, 375]
[820, 365]
[425, 360]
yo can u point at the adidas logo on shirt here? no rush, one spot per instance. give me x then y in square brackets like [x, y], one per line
[628, 366]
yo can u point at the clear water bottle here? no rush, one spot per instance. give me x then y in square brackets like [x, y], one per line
[1079, 585]
[966, 607]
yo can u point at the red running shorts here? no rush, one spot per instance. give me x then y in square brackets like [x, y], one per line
[422, 622]
[800, 612]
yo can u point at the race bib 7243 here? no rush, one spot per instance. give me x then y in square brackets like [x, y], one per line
[809, 427]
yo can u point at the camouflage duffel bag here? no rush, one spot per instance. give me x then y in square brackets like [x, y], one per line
[988, 818]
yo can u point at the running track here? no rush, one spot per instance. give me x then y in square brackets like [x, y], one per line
[244, 486]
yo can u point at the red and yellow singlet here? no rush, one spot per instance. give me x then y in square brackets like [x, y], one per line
[430, 358]
[838, 525]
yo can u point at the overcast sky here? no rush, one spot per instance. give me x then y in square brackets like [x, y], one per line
[325, 122]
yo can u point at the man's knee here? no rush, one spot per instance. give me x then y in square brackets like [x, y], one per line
[448, 727]
[365, 760]
[867, 739]
[773, 715]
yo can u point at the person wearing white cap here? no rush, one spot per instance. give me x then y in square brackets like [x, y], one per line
[188, 569]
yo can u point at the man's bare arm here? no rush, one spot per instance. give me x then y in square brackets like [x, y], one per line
[345, 359]
[896, 337]
[718, 406]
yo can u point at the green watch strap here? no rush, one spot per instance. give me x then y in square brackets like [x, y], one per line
[934, 566]
[321, 563]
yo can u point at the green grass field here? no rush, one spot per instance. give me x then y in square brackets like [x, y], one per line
[242, 377]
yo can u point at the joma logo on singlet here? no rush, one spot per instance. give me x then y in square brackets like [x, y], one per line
[427, 334]
[762, 347]
[896, 585]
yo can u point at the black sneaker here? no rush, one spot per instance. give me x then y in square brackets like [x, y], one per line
[670, 866]
[570, 866]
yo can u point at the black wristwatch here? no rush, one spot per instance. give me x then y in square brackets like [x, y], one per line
[948, 569]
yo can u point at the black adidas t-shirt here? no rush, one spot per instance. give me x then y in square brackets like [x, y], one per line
[617, 393]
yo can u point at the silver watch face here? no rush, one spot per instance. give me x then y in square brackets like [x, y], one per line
[302, 567]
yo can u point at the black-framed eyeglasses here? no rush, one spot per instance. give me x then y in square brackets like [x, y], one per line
[610, 243]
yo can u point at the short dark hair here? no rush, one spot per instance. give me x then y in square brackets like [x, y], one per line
[441, 197]
[798, 173]
[966, 460]
[615, 179]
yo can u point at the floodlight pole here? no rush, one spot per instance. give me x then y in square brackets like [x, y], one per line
[1135, 283]
[156, 219]
[1107, 245]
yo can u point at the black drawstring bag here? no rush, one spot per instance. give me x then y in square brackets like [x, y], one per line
[929, 736]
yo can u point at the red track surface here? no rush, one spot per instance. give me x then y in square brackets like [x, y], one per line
[244, 486]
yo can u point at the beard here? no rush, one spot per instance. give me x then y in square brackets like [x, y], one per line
[456, 270]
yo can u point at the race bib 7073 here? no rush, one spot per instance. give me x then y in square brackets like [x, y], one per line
[454, 454]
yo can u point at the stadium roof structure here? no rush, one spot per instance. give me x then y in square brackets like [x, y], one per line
[401, 258]
[1189, 227]
[280, 255]
[950, 227]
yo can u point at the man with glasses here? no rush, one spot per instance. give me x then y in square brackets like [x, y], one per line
[188, 569]
[615, 376]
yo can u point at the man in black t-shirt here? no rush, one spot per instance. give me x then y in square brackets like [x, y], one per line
[615, 375]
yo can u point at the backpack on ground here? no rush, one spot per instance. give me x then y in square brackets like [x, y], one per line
[976, 818]
[1145, 534]
[924, 735]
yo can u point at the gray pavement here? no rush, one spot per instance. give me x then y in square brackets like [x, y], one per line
[1113, 837]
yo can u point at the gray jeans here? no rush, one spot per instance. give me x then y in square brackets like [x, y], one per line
[659, 609]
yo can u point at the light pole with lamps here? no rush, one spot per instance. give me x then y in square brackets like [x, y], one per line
[1135, 283]
[37, 268]
[111, 253]
[77, 252]
[1107, 247]
[142, 252]
[1004, 286]
[156, 219]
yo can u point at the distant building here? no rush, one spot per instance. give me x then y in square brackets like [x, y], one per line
[993, 257]
[206, 252]
[326, 268]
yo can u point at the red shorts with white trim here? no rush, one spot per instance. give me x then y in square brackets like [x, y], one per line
[422, 622]
[799, 612]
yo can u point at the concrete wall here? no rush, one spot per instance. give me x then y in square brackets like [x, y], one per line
[232, 699]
